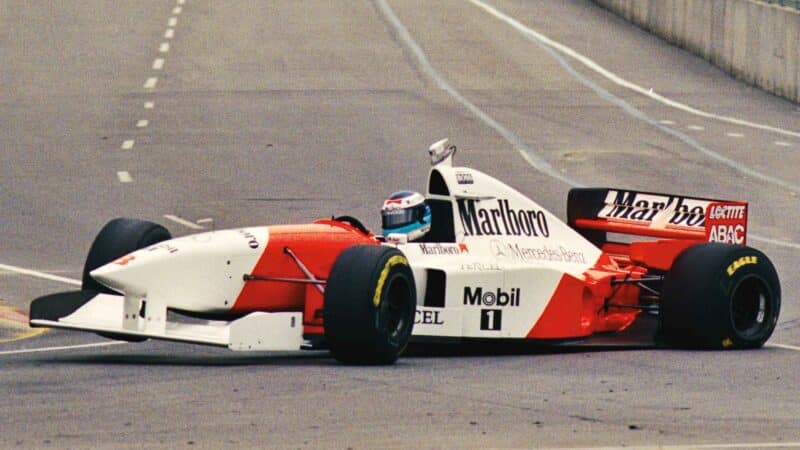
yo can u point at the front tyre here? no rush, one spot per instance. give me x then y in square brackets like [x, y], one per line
[115, 240]
[370, 302]
[720, 296]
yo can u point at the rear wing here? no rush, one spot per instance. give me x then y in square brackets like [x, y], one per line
[594, 212]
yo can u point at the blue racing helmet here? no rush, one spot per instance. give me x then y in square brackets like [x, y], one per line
[406, 212]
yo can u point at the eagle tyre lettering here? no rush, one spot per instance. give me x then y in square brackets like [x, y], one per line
[370, 305]
[720, 296]
[115, 240]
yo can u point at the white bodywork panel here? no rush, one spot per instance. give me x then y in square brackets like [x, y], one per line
[107, 313]
[506, 261]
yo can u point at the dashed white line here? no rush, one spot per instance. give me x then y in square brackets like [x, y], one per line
[177, 10]
[666, 122]
[184, 222]
[696, 127]
[164, 47]
[128, 144]
[149, 105]
[181, 2]
[142, 123]
[734, 135]
[158, 64]
[37, 274]
[172, 21]
[150, 83]
[169, 34]
[782, 143]
[124, 177]
[65, 347]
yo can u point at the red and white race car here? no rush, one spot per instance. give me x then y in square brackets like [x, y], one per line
[494, 265]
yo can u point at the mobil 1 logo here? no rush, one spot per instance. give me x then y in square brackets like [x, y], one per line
[491, 319]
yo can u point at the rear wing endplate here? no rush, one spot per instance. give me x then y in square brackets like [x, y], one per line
[594, 212]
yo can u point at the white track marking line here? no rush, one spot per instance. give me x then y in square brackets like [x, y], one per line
[782, 143]
[169, 34]
[181, 2]
[666, 122]
[552, 48]
[696, 127]
[184, 222]
[149, 105]
[164, 47]
[64, 347]
[776, 242]
[158, 63]
[621, 81]
[142, 123]
[128, 144]
[124, 177]
[527, 153]
[173, 21]
[37, 274]
[734, 135]
[784, 346]
[177, 10]
[150, 83]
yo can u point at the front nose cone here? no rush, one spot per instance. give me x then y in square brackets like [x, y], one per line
[113, 275]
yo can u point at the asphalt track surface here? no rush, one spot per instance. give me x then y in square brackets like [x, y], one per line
[259, 112]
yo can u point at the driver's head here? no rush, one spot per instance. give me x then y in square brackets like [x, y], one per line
[406, 212]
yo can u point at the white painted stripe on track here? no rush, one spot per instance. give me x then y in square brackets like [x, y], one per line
[181, 2]
[621, 81]
[127, 144]
[184, 222]
[37, 274]
[551, 47]
[124, 177]
[150, 83]
[177, 10]
[164, 47]
[783, 346]
[149, 105]
[158, 63]
[734, 135]
[173, 21]
[169, 34]
[63, 347]
[142, 123]
[527, 153]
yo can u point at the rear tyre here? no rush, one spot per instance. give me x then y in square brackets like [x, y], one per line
[370, 302]
[115, 240]
[720, 296]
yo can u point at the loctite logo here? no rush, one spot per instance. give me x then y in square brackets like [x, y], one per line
[628, 205]
[501, 220]
[727, 212]
[498, 297]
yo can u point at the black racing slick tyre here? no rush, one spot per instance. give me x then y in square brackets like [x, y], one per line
[118, 238]
[370, 302]
[115, 240]
[720, 296]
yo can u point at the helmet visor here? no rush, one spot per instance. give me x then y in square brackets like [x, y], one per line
[395, 218]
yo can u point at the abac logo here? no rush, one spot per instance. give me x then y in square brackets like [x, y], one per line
[498, 297]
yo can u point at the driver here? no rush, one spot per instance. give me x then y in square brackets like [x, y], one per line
[406, 213]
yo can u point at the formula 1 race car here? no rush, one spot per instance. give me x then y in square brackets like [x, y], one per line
[493, 265]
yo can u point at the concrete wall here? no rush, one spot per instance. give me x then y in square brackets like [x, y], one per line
[754, 41]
